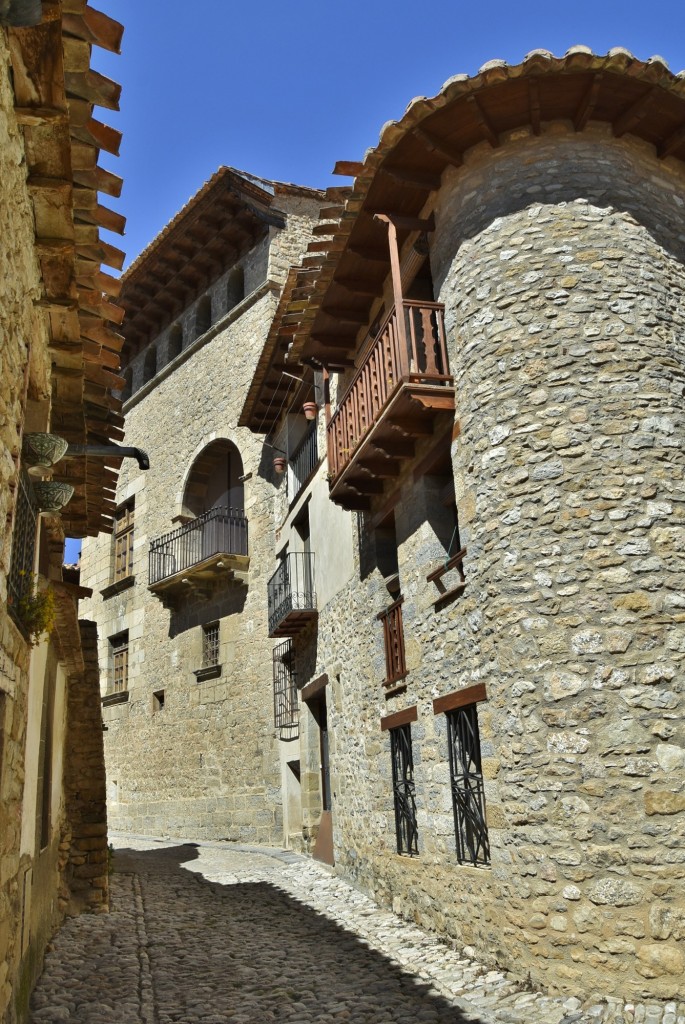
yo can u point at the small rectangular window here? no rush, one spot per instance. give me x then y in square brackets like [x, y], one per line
[286, 710]
[210, 645]
[123, 541]
[468, 796]
[119, 651]
[406, 829]
[157, 701]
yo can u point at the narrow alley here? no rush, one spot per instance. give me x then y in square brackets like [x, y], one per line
[214, 933]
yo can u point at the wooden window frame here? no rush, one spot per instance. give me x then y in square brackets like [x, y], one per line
[124, 524]
[393, 640]
[119, 647]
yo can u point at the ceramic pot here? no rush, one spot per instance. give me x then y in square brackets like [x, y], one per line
[52, 496]
[280, 462]
[42, 449]
[310, 410]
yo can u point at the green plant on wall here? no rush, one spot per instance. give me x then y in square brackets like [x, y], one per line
[35, 608]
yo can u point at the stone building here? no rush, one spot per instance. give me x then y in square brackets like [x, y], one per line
[179, 591]
[59, 356]
[478, 598]
[404, 584]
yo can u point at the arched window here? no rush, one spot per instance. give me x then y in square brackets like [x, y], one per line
[203, 315]
[235, 288]
[175, 341]
[214, 480]
[150, 364]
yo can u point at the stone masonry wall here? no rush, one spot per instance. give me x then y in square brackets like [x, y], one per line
[560, 266]
[19, 322]
[206, 764]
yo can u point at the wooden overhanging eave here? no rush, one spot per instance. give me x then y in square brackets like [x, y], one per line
[399, 176]
[55, 92]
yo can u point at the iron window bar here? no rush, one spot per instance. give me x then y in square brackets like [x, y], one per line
[210, 645]
[406, 829]
[468, 795]
[220, 530]
[20, 581]
[291, 588]
[286, 709]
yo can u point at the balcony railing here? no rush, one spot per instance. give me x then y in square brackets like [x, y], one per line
[302, 462]
[412, 351]
[221, 531]
[291, 594]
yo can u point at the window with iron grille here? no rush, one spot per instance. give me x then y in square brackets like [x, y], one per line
[20, 580]
[286, 709]
[393, 639]
[210, 645]
[123, 541]
[119, 652]
[468, 797]
[404, 790]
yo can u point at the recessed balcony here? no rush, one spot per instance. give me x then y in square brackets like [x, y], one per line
[199, 554]
[402, 384]
[291, 595]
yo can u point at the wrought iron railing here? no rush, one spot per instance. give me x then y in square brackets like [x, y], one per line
[468, 797]
[221, 530]
[406, 829]
[291, 588]
[409, 350]
[302, 462]
[286, 711]
[393, 639]
[20, 581]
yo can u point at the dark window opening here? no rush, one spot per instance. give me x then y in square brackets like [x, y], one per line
[404, 790]
[157, 701]
[286, 709]
[175, 341]
[468, 796]
[235, 288]
[210, 645]
[203, 315]
[150, 364]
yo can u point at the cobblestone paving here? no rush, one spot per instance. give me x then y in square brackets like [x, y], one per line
[210, 933]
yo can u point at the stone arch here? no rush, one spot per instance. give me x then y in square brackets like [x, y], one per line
[214, 480]
[150, 364]
[175, 341]
[203, 315]
[235, 288]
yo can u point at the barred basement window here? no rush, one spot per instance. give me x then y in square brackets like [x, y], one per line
[404, 790]
[468, 797]
[119, 651]
[286, 710]
[210, 645]
[20, 579]
[123, 541]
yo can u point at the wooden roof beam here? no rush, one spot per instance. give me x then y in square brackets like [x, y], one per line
[411, 178]
[586, 107]
[534, 104]
[439, 147]
[635, 112]
[94, 27]
[359, 286]
[674, 141]
[483, 121]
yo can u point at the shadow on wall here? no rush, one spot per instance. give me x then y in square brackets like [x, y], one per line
[257, 952]
[227, 599]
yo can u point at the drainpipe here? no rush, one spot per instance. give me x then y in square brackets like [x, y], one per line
[108, 451]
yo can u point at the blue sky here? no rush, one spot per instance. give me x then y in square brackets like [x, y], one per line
[284, 90]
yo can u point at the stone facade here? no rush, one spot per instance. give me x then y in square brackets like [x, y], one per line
[205, 761]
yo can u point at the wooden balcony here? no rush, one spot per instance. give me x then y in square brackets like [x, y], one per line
[401, 385]
[199, 554]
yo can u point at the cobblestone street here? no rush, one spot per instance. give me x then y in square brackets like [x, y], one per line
[217, 933]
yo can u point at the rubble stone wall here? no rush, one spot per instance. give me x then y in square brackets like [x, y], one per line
[559, 260]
